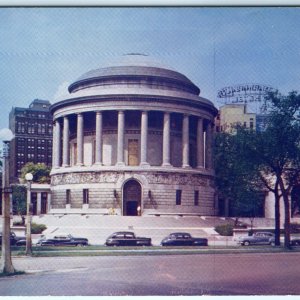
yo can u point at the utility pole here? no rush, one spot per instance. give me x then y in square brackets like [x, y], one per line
[28, 250]
[6, 264]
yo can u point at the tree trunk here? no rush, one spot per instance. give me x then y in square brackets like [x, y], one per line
[277, 214]
[277, 219]
[287, 233]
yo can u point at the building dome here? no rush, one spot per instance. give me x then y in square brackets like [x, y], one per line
[134, 69]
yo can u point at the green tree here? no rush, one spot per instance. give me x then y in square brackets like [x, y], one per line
[277, 150]
[40, 172]
[19, 201]
[236, 177]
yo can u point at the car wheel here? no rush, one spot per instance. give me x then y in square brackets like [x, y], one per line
[272, 244]
[80, 245]
[246, 243]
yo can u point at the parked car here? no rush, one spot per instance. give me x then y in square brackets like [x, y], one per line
[258, 238]
[183, 239]
[63, 240]
[295, 242]
[127, 238]
[14, 240]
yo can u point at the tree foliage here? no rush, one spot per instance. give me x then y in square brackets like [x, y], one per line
[273, 156]
[237, 177]
[277, 150]
[19, 201]
[40, 172]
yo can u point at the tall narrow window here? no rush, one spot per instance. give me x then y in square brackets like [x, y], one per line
[196, 198]
[85, 196]
[133, 152]
[178, 197]
[68, 196]
[75, 154]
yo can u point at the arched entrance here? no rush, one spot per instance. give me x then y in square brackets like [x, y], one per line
[132, 193]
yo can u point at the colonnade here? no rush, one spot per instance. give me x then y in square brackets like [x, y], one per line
[61, 139]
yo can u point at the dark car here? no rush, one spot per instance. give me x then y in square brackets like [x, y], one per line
[63, 240]
[127, 238]
[258, 238]
[14, 240]
[183, 239]
[295, 242]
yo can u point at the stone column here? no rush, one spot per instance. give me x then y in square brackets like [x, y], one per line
[166, 140]
[66, 149]
[121, 131]
[98, 154]
[200, 144]
[144, 138]
[53, 144]
[57, 152]
[185, 142]
[208, 146]
[48, 202]
[80, 140]
[38, 203]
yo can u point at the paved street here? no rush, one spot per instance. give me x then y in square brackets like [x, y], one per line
[217, 274]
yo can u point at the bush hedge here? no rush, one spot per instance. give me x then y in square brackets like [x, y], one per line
[225, 230]
[37, 228]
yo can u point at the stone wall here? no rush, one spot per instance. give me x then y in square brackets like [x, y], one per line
[158, 190]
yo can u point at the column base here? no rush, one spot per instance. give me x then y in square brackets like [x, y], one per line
[200, 167]
[98, 164]
[186, 167]
[120, 164]
[166, 165]
[65, 165]
[79, 164]
[144, 164]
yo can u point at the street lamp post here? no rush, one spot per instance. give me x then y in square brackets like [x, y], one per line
[6, 264]
[28, 250]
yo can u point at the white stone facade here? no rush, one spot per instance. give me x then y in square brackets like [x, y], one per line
[134, 138]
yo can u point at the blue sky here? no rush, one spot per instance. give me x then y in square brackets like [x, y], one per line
[42, 50]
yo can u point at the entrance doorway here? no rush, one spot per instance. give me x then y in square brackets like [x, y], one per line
[132, 192]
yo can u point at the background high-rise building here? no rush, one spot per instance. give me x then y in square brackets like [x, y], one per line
[32, 128]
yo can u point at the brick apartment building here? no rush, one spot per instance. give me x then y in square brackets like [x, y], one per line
[32, 128]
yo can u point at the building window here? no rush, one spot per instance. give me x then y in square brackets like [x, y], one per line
[178, 197]
[68, 196]
[75, 153]
[196, 198]
[85, 196]
[133, 152]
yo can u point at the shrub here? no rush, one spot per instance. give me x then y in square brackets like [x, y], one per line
[225, 230]
[37, 228]
[18, 223]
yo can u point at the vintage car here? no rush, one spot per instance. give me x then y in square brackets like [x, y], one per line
[14, 240]
[62, 240]
[127, 238]
[258, 238]
[295, 242]
[183, 239]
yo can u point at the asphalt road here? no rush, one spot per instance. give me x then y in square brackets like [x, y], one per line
[204, 274]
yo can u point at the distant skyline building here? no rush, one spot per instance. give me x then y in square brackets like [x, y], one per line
[133, 138]
[231, 115]
[32, 128]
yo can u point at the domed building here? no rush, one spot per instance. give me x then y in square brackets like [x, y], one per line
[133, 138]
